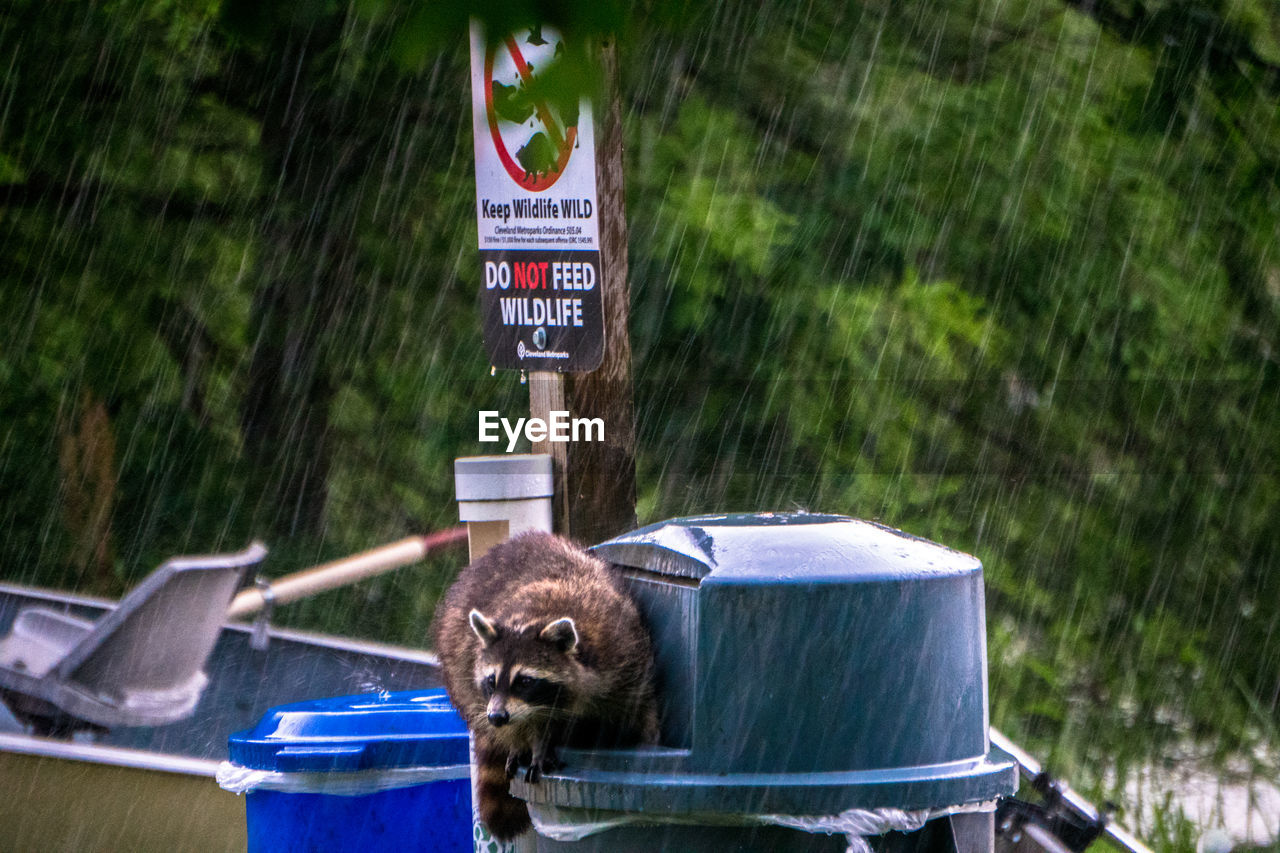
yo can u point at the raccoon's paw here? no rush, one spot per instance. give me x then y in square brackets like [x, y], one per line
[547, 762]
[513, 764]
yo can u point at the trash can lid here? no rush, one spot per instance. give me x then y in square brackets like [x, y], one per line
[791, 547]
[410, 728]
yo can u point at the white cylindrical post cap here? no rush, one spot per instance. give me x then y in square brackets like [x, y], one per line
[517, 476]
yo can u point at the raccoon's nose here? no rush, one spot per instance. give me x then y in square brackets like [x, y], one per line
[499, 718]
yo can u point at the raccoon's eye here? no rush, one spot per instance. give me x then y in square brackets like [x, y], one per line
[529, 687]
[536, 691]
[488, 684]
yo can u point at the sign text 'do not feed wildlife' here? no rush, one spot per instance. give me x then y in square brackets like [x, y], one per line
[536, 207]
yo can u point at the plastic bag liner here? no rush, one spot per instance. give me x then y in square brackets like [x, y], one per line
[574, 824]
[359, 783]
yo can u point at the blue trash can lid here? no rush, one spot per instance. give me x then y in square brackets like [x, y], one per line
[413, 728]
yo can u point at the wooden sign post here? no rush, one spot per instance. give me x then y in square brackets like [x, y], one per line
[600, 478]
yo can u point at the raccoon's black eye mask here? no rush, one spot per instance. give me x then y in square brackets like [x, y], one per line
[536, 691]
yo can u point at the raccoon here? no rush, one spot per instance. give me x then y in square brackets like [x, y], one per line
[540, 647]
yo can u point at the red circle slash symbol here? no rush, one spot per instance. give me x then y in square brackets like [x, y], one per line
[541, 161]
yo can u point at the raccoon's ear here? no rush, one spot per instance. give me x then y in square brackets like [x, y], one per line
[563, 633]
[484, 627]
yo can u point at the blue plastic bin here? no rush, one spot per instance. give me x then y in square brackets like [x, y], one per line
[382, 772]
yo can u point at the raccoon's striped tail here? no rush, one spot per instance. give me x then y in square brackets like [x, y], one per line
[505, 815]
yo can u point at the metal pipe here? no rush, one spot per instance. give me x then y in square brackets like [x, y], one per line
[1031, 768]
[346, 571]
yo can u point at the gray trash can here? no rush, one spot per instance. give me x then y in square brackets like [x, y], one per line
[822, 680]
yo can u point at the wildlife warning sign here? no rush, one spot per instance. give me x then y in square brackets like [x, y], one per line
[536, 205]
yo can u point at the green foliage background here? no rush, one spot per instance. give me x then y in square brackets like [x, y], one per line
[1004, 275]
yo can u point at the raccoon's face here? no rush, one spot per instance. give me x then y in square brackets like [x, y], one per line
[524, 673]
